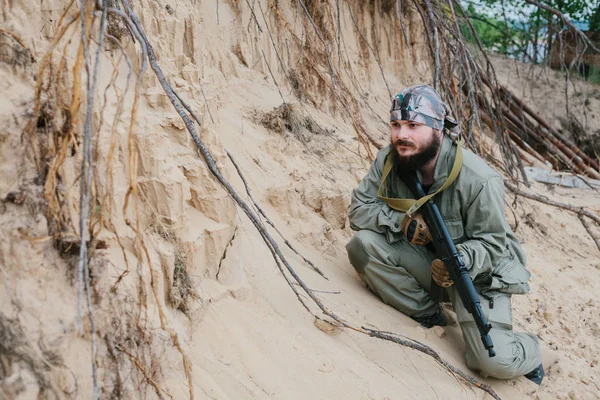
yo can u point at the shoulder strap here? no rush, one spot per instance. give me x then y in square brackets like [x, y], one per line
[411, 206]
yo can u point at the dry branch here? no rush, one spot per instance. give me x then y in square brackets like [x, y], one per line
[262, 212]
[589, 230]
[432, 353]
[572, 146]
[580, 211]
[556, 145]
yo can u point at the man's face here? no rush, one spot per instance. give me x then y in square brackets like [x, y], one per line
[413, 144]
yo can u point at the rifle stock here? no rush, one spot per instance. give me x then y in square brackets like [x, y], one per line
[447, 252]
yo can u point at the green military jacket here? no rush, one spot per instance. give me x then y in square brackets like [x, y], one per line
[472, 208]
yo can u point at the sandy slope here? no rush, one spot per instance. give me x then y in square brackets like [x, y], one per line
[242, 328]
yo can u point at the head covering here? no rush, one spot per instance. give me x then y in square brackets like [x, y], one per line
[422, 103]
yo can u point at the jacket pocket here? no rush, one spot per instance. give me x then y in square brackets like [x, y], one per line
[455, 228]
[510, 276]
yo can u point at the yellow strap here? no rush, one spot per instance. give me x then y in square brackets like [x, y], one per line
[410, 206]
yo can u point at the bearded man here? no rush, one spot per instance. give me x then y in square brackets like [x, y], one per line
[392, 253]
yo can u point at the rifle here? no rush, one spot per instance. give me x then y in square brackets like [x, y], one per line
[446, 251]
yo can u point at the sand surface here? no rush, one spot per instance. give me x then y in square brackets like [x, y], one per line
[179, 263]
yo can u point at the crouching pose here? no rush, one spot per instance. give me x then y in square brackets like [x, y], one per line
[392, 252]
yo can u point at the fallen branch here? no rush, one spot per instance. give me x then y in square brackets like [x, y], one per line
[545, 200]
[548, 144]
[589, 230]
[580, 211]
[262, 212]
[432, 353]
[572, 146]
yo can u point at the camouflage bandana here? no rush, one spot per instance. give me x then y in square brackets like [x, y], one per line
[423, 104]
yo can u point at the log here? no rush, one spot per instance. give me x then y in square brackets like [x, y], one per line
[551, 129]
[573, 151]
[548, 143]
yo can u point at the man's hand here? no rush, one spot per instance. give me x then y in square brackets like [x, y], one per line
[416, 230]
[440, 273]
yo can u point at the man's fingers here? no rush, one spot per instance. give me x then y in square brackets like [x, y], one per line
[440, 274]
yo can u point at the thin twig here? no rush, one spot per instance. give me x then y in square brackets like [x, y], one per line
[84, 165]
[254, 16]
[262, 212]
[310, 18]
[436, 54]
[339, 34]
[372, 51]
[272, 42]
[401, 19]
[206, 103]
[141, 368]
[432, 353]
[589, 230]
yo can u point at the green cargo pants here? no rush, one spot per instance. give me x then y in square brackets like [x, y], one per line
[400, 274]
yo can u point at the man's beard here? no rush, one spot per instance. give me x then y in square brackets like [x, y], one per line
[418, 160]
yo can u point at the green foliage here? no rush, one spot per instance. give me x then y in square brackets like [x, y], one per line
[593, 75]
[576, 10]
[524, 31]
[493, 33]
[595, 20]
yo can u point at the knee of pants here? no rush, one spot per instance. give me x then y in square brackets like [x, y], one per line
[500, 367]
[516, 353]
[359, 247]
